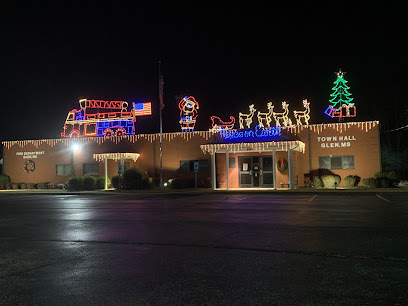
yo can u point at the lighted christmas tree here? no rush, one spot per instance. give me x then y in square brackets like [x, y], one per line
[341, 105]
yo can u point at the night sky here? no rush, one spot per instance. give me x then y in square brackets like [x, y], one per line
[227, 55]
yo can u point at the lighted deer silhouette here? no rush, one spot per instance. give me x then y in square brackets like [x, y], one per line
[246, 117]
[283, 116]
[267, 117]
[303, 114]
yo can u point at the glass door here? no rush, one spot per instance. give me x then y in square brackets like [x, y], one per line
[246, 179]
[266, 172]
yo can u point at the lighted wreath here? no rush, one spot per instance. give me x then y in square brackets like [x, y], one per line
[282, 164]
[29, 166]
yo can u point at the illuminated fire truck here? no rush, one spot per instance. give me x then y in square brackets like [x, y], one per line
[103, 118]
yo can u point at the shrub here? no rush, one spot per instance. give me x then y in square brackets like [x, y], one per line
[386, 179]
[132, 179]
[14, 186]
[23, 186]
[115, 181]
[309, 177]
[147, 183]
[88, 182]
[369, 182]
[350, 181]
[4, 179]
[40, 186]
[60, 186]
[51, 186]
[393, 177]
[329, 181]
[8, 186]
[204, 183]
[317, 182]
[100, 182]
[30, 186]
[179, 183]
[75, 183]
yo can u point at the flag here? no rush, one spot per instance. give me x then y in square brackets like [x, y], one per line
[142, 109]
[161, 83]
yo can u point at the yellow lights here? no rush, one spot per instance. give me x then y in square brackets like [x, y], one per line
[247, 118]
[206, 135]
[282, 118]
[257, 146]
[305, 115]
[265, 119]
[116, 156]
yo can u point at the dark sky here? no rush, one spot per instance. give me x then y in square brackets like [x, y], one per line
[226, 54]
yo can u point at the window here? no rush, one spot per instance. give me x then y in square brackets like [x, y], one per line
[336, 162]
[188, 165]
[91, 169]
[64, 169]
[231, 162]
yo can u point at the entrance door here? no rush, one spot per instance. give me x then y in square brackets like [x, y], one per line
[246, 179]
[266, 172]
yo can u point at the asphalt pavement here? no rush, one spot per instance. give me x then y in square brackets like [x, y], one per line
[292, 249]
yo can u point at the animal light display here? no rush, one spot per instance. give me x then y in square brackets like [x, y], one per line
[247, 118]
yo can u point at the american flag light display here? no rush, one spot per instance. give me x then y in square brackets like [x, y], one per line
[143, 109]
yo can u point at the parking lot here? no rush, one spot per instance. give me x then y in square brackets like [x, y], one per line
[317, 249]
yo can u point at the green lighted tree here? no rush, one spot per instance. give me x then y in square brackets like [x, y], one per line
[340, 95]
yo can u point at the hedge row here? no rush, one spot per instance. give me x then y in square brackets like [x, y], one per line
[31, 186]
[382, 180]
[86, 182]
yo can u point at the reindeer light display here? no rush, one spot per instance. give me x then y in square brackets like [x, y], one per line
[283, 116]
[247, 118]
[305, 115]
[266, 117]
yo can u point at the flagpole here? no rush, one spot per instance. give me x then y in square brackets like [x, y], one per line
[161, 124]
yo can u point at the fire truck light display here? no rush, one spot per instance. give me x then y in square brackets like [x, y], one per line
[103, 118]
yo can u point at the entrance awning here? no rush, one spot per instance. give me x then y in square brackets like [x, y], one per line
[295, 145]
[115, 156]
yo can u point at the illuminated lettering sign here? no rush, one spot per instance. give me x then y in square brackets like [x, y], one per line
[257, 133]
[30, 155]
[336, 141]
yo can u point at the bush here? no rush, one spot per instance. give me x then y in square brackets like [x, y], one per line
[309, 177]
[60, 186]
[350, 181]
[100, 182]
[386, 179]
[147, 183]
[50, 186]
[330, 181]
[317, 182]
[30, 186]
[14, 186]
[115, 181]
[88, 182]
[179, 183]
[369, 182]
[204, 183]
[39, 186]
[4, 179]
[132, 179]
[23, 186]
[75, 183]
